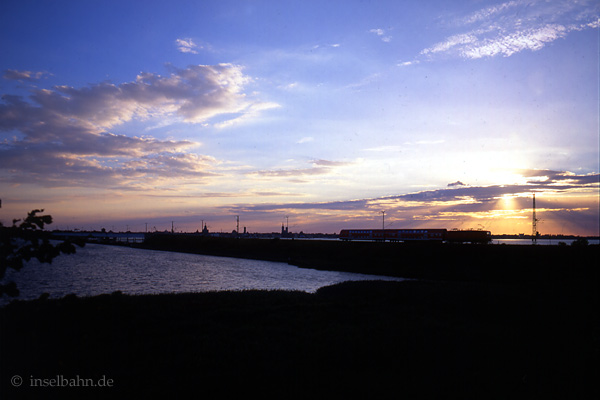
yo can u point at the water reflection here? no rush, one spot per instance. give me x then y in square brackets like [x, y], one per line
[97, 269]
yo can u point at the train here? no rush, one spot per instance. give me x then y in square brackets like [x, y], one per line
[417, 235]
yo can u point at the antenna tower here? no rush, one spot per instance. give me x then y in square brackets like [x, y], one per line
[534, 230]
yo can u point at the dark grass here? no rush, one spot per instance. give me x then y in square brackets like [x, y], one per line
[366, 339]
[491, 322]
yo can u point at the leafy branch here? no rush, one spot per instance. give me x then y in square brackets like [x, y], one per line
[26, 240]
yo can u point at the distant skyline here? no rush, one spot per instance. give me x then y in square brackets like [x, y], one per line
[118, 114]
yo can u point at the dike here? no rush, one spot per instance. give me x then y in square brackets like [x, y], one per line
[430, 261]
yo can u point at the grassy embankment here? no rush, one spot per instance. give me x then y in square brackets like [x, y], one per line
[455, 262]
[532, 338]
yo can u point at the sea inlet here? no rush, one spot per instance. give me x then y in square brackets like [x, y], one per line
[99, 269]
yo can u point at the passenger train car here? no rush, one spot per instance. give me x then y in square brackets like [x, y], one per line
[417, 235]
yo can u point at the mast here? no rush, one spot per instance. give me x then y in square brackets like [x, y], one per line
[534, 230]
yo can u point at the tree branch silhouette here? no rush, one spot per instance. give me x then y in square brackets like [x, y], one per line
[26, 240]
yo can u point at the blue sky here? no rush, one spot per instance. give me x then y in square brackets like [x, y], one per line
[443, 114]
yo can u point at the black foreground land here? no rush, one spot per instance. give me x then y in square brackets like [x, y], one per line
[481, 336]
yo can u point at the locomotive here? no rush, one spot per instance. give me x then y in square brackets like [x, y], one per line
[417, 235]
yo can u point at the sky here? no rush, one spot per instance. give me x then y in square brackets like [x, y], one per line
[321, 115]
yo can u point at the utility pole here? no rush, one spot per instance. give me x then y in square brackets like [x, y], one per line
[237, 229]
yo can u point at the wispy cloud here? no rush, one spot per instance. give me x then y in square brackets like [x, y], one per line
[507, 45]
[294, 172]
[489, 12]
[381, 34]
[306, 139]
[16, 75]
[319, 167]
[320, 46]
[515, 26]
[328, 163]
[366, 81]
[404, 146]
[387, 148]
[251, 111]
[187, 45]
[407, 63]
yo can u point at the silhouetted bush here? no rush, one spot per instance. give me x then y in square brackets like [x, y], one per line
[25, 240]
[580, 242]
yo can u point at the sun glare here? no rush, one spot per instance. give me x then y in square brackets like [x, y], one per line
[507, 202]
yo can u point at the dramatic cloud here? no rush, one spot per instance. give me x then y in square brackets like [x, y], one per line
[458, 197]
[195, 94]
[501, 209]
[62, 136]
[515, 26]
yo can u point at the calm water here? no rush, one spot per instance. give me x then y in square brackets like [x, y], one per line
[98, 269]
